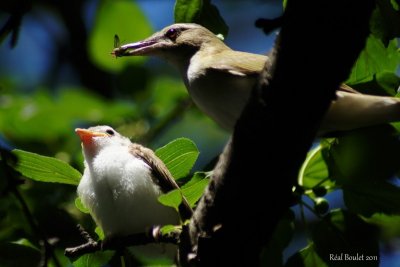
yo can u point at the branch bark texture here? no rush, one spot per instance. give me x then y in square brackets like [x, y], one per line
[316, 48]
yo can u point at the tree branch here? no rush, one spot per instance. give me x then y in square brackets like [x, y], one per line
[316, 48]
[154, 235]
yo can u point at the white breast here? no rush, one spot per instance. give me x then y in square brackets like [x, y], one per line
[120, 194]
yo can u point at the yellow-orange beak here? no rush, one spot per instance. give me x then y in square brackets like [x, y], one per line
[87, 135]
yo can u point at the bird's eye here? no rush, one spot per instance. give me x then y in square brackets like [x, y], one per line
[172, 34]
[110, 132]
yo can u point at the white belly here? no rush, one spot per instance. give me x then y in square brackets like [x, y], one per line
[120, 194]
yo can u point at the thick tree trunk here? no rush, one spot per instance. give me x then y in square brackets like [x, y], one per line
[317, 46]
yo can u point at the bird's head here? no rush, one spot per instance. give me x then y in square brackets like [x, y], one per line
[97, 138]
[176, 43]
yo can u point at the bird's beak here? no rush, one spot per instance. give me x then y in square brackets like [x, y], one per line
[86, 136]
[141, 48]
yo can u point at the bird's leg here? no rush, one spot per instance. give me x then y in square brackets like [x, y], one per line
[90, 246]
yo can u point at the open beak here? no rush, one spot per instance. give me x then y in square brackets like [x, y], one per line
[86, 136]
[141, 48]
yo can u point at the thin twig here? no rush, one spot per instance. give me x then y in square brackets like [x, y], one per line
[154, 235]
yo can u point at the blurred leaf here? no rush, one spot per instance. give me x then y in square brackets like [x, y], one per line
[98, 258]
[42, 117]
[187, 10]
[374, 59]
[124, 18]
[166, 229]
[25, 242]
[201, 12]
[307, 257]
[365, 154]
[194, 189]
[343, 233]
[79, 205]
[385, 20]
[165, 93]
[272, 254]
[179, 156]
[46, 169]
[372, 197]
[99, 232]
[389, 224]
[171, 199]
[13, 255]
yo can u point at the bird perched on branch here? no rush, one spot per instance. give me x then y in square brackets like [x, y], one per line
[122, 182]
[220, 79]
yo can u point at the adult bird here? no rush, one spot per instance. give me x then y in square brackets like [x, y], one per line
[220, 80]
[121, 184]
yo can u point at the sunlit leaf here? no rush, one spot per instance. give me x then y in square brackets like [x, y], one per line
[194, 189]
[166, 229]
[374, 59]
[79, 205]
[171, 199]
[99, 232]
[46, 169]
[179, 156]
[314, 169]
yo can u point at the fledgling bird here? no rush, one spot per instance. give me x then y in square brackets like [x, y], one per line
[121, 184]
[220, 80]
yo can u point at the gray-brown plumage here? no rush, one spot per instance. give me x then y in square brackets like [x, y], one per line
[220, 79]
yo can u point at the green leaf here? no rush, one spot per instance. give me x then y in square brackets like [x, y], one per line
[365, 154]
[25, 242]
[171, 199]
[187, 10]
[124, 18]
[99, 232]
[168, 228]
[46, 169]
[194, 189]
[13, 255]
[314, 169]
[374, 59]
[385, 20]
[44, 118]
[383, 83]
[307, 257]
[342, 233]
[272, 254]
[79, 205]
[98, 258]
[201, 12]
[372, 197]
[388, 224]
[179, 156]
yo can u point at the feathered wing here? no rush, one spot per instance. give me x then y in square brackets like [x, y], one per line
[162, 176]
